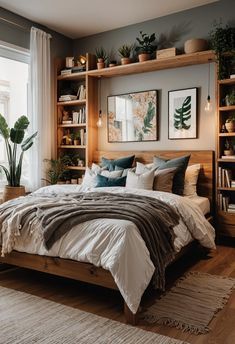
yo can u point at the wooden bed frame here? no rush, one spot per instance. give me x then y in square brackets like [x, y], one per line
[95, 275]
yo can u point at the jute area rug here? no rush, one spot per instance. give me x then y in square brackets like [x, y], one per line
[28, 319]
[192, 303]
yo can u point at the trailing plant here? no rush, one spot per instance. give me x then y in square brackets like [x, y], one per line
[125, 50]
[146, 43]
[183, 114]
[230, 119]
[14, 137]
[147, 121]
[231, 98]
[101, 53]
[222, 41]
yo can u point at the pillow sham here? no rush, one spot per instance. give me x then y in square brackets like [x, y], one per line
[125, 162]
[181, 165]
[140, 181]
[90, 178]
[191, 178]
[163, 179]
[112, 174]
[103, 181]
[97, 168]
[124, 170]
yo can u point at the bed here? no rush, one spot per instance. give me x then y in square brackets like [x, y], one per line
[88, 254]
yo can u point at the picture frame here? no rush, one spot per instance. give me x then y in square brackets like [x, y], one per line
[182, 114]
[133, 117]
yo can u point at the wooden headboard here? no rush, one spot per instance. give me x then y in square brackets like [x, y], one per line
[203, 157]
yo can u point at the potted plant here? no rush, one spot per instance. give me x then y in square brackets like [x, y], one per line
[14, 137]
[101, 56]
[230, 98]
[76, 138]
[146, 46]
[222, 41]
[228, 148]
[230, 124]
[57, 169]
[125, 52]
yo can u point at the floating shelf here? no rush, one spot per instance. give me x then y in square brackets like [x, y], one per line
[147, 66]
[226, 160]
[72, 103]
[227, 81]
[227, 108]
[225, 188]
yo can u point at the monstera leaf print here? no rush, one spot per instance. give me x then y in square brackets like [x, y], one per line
[183, 114]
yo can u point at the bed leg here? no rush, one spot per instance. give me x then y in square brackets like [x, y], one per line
[130, 317]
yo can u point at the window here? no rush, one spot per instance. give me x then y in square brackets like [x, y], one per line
[14, 73]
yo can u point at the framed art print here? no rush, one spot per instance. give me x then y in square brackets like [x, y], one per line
[182, 114]
[132, 117]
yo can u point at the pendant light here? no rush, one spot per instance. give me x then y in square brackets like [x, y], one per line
[208, 106]
[99, 122]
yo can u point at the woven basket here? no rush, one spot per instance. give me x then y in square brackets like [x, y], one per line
[11, 192]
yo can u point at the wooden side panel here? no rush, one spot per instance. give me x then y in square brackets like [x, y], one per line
[205, 158]
[92, 117]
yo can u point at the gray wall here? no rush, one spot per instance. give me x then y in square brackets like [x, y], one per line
[183, 25]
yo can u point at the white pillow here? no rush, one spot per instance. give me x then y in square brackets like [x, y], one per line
[97, 168]
[90, 178]
[140, 181]
[111, 174]
[190, 181]
[142, 168]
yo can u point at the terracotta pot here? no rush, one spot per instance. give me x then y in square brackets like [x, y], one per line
[194, 45]
[76, 142]
[11, 192]
[125, 60]
[228, 152]
[230, 126]
[144, 57]
[112, 65]
[100, 65]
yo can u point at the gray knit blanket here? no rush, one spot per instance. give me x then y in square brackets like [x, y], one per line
[58, 214]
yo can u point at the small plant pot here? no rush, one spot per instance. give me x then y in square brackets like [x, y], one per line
[230, 126]
[144, 57]
[100, 65]
[76, 142]
[228, 152]
[125, 60]
[11, 192]
[74, 181]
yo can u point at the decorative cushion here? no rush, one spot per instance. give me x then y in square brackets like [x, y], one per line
[140, 181]
[163, 179]
[181, 165]
[97, 168]
[112, 174]
[124, 162]
[190, 182]
[124, 170]
[90, 178]
[103, 181]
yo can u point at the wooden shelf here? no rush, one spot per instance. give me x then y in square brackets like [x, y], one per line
[72, 103]
[73, 76]
[71, 146]
[77, 168]
[225, 160]
[225, 188]
[226, 134]
[154, 65]
[227, 81]
[78, 125]
[227, 108]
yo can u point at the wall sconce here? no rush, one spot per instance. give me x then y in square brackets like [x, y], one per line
[99, 123]
[208, 106]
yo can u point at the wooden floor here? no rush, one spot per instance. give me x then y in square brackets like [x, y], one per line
[107, 303]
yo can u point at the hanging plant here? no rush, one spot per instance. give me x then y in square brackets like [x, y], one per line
[222, 41]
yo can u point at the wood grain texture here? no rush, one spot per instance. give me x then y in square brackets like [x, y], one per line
[107, 302]
[203, 157]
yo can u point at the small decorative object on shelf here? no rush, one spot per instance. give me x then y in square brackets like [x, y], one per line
[74, 180]
[66, 139]
[223, 129]
[125, 52]
[228, 151]
[112, 63]
[230, 124]
[67, 97]
[230, 98]
[146, 46]
[80, 163]
[101, 56]
[166, 53]
[195, 45]
[69, 62]
[66, 119]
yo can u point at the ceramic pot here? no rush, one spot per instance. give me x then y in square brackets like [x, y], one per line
[100, 65]
[125, 60]
[230, 126]
[228, 152]
[144, 57]
[195, 45]
[11, 192]
[76, 142]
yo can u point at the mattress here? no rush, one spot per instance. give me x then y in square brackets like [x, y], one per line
[202, 202]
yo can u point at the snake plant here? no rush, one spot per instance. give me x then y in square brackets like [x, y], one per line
[14, 137]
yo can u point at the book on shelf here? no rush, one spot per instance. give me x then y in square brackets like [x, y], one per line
[224, 177]
[82, 131]
[66, 71]
[67, 122]
[230, 210]
[223, 202]
[232, 76]
[67, 97]
[81, 95]
[227, 157]
[231, 206]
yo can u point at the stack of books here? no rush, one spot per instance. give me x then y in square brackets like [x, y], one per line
[228, 157]
[225, 178]
[67, 98]
[231, 208]
[66, 71]
[223, 202]
[79, 116]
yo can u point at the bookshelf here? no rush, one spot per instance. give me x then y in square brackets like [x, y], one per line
[225, 178]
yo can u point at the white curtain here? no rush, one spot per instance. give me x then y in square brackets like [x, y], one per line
[40, 114]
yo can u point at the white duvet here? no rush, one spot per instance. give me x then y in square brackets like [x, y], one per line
[117, 245]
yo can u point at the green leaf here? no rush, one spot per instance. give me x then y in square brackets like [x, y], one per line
[27, 142]
[6, 173]
[22, 123]
[16, 135]
[4, 130]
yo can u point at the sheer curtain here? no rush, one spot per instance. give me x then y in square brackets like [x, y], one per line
[40, 114]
